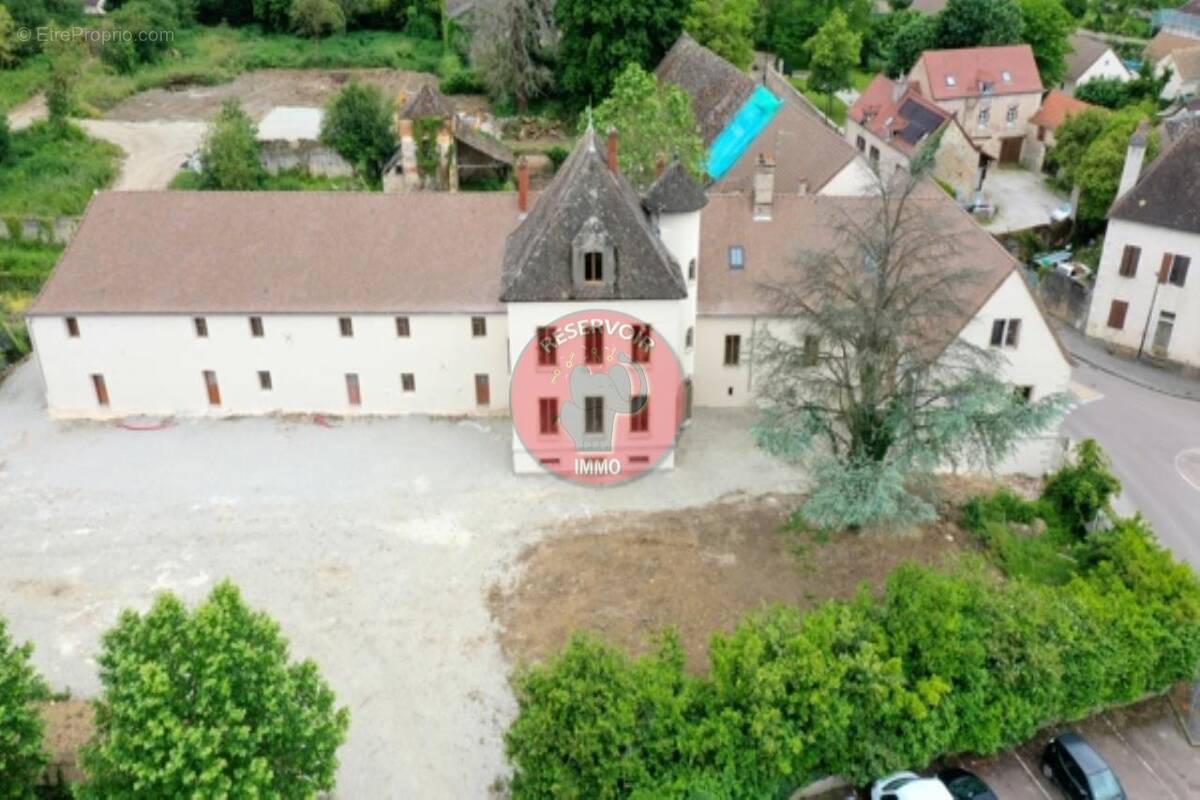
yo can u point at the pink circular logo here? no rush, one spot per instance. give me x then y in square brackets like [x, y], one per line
[597, 397]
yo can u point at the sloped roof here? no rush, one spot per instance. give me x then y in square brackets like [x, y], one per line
[1056, 107]
[1164, 43]
[1187, 62]
[1086, 50]
[959, 73]
[674, 192]
[1168, 192]
[897, 113]
[283, 252]
[484, 144]
[585, 192]
[291, 124]
[1192, 7]
[717, 88]
[427, 102]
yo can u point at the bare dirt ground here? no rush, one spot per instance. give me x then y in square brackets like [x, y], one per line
[699, 569]
[154, 151]
[69, 724]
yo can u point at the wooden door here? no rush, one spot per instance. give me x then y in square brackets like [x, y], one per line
[1010, 150]
[211, 386]
[101, 389]
[483, 392]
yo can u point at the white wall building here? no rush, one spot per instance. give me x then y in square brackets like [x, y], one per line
[1092, 58]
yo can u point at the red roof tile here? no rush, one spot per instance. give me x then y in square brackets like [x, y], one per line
[885, 107]
[1056, 107]
[959, 73]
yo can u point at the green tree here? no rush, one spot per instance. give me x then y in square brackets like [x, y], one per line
[66, 65]
[5, 138]
[316, 18]
[1098, 173]
[785, 25]
[358, 125]
[8, 39]
[653, 121]
[833, 53]
[1072, 139]
[229, 154]
[273, 15]
[207, 703]
[918, 33]
[599, 39]
[1045, 26]
[22, 755]
[1105, 92]
[726, 27]
[1084, 488]
[979, 23]
[512, 48]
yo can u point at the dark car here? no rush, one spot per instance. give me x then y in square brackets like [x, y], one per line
[965, 785]
[1079, 771]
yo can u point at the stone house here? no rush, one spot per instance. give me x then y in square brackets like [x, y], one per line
[1056, 107]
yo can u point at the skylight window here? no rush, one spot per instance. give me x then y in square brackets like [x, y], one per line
[950, 80]
[1006, 76]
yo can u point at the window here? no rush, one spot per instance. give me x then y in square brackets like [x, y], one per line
[408, 382]
[212, 388]
[985, 87]
[256, 327]
[72, 327]
[346, 326]
[593, 415]
[1006, 76]
[483, 391]
[1175, 269]
[692, 270]
[733, 350]
[201, 327]
[264, 380]
[353, 393]
[1006, 333]
[402, 327]
[689, 338]
[478, 326]
[984, 116]
[1010, 116]
[101, 389]
[1025, 393]
[812, 350]
[861, 144]
[1129, 261]
[639, 409]
[1116, 314]
[642, 344]
[950, 80]
[593, 267]
[593, 346]
[874, 156]
[548, 415]
[547, 347]
[737, 257]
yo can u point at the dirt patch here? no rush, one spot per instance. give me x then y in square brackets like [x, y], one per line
[69, 725]
[701, 570]
[261, 90]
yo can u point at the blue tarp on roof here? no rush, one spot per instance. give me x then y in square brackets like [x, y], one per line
[754, 115]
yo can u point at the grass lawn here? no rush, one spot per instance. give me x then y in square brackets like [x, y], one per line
[53, 172]
[834, 108]
[18, 85]
[23, 268]
[290, 181]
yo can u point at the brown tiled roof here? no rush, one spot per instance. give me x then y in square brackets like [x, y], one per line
[488, 145]
[1085, 51]
[897, 113]
[717, 88]
[1163, 44]
[1055, 108]
[283, 252]
[427, 102]
[1187, 62]
[1168, 192]
[972, 65]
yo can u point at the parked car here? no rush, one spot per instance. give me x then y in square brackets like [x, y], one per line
[1079, 771]
[909, 786]
[964, 785]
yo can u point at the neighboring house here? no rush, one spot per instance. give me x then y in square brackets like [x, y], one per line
[1164, 43]
[1182, 21]
[1092, 58]
[1180, 122]
[1147, 299]
[890, 123]
[992, 91]
[459, 153]
[235, 303]
[742, 119]
[289, 139]
[1056, 107]
[1184, 66]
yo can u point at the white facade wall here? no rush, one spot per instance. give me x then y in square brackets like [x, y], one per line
[889, 159]
[1108, 65]
[1146, 297]
[154, 364]
[854, 180]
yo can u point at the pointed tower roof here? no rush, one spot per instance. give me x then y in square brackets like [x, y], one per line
[674, 192]
[587, 199]
[427, 102]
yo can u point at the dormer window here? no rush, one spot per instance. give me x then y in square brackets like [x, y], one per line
[593, 258]
[593, 267]
[1006, 76]
[950, 81]
[985, 87]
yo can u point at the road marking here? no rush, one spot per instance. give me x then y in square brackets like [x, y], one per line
[1032, 777]
[1187, 464]
[1133, 750]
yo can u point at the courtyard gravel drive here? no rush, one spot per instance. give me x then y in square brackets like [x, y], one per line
[373, 544]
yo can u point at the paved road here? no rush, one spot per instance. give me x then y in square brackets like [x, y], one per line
[1154, 442]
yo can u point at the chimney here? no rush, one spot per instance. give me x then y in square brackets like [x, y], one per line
[522, 185]
[612, 150]
[1134, 157]
[764, 186]
[802, 187]
[898, 89]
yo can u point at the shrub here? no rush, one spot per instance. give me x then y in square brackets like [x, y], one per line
[229, 154]
[358, 125]
[206, 703]
[22, 756]
[1080, 491]
[557, 155]
[5, 138]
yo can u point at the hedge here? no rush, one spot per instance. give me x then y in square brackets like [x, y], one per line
[940, 663]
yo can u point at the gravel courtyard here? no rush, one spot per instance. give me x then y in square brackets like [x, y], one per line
[373, 544]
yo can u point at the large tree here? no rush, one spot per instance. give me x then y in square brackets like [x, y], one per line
[785, 25]
[865, 377]
[918, 33]
[979, 23]
[230, 154]
[358, 125]
[1097, 173]
[1045, 26]
[512, 48]
[208, 703]
[22, 755]
[654, 121]
[599, 39]
[726, 27]
[833, 53]
[316, 18]
[66, 55]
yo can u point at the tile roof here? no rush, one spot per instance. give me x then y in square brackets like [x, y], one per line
[1168, 192]
[960, 73]
[488, 145]
[1056, 107]
[586, 194]
[427, 102]
[897, 113]
[1187, 62]
[717, 88]
[1163, 44]
[674, 192]
[1086, 50]
[283, 252]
